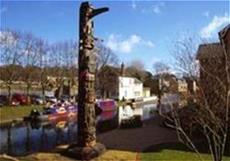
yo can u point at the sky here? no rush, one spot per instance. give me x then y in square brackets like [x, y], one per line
[133, 30]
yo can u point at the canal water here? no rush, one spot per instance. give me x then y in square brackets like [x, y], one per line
[26, 138]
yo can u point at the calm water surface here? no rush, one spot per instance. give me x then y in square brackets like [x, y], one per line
[27, 138]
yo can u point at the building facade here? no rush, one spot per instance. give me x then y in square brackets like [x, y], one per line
[214, 59]
[130, 88]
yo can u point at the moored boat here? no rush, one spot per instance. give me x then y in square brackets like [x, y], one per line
[105, 110]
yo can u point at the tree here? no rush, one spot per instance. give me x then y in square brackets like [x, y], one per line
[42, 48]
[71, 63]
[136, 69]
[104, 56]
[30, 60]
[160, 68]
[137, 64]
[184, 54]
[210, 113]
[11, 58]
[64, 62]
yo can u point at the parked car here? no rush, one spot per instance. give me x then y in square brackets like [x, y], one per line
[19, 99]
[36, 99]
[3, 100]
[51, 99]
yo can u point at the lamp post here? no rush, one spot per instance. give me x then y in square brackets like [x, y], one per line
[86, 147]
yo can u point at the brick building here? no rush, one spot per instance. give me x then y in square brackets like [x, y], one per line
[214, 62]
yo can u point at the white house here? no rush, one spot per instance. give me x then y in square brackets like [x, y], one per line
[146, 92]
[130, 88]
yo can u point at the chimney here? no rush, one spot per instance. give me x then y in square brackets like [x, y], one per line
[122, 69]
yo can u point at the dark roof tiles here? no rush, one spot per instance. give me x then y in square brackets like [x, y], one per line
[211, 50]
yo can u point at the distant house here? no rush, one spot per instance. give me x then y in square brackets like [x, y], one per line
[214, 59]
[146, 91]
[182, 86]
[119, 84]
[130, 88]
[166, 82]
[191, 85]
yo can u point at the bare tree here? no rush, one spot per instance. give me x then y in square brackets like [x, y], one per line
[210, 114]
[71, 62]
[136, 69]
[184, 54]
[137, 64]
[42, 48]
[30, 60]
[105, 56]
[160, 68]
[63, 57]
[11, 55]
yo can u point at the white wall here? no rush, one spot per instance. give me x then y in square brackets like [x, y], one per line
[146, 92]
[129, 89]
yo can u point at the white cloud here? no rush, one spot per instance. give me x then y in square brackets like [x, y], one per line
[112, 42]
[134, 5]
[150, 44]
[157, 8]
[214, 26]
[117, 44]
[206, 14]
[126, 46]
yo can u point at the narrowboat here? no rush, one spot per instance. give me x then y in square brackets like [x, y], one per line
[105, 110]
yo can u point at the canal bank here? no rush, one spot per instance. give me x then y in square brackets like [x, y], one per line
[15, 114]
[152, 142]
[32, 138]
[121, 144]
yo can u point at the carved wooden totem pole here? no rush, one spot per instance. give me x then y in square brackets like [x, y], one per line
[86, 147]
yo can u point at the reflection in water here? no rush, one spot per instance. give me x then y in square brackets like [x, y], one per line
[9, 149]
[32, 137]
[27, 138]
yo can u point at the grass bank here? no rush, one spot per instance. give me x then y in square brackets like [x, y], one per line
[175, 155]
[117, 155]
[8, 113]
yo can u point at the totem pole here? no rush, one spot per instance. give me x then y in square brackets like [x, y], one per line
[86, 147]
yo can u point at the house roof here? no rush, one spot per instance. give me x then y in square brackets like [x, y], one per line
[137, 81]
[211, 50]
[224, 31]
[164, 76]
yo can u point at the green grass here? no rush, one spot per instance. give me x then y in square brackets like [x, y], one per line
[118, 155]
[175, 155]
[13, 112]
[175, 152]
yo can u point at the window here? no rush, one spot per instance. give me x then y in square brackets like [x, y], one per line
[137, 93]
[126, 93]
[130, 81]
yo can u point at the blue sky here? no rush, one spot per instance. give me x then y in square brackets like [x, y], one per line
[134, 30]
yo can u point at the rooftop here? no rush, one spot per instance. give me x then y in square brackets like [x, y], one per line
[211, 50]
[223, 32]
